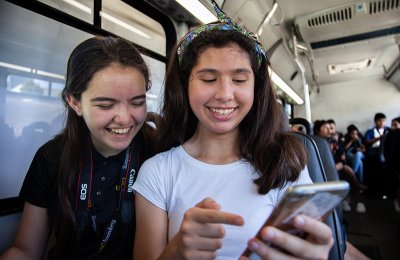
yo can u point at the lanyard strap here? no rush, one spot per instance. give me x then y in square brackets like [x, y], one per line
[124, 209]
[84, 190]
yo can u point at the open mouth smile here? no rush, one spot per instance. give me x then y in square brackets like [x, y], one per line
[222, 112]
[119, 131]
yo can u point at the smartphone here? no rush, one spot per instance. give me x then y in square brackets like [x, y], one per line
[315, 200]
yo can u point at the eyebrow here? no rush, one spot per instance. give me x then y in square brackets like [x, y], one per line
[98, 99]
[210, 70]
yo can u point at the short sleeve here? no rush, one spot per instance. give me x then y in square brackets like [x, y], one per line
[39, 181]
[150, 182]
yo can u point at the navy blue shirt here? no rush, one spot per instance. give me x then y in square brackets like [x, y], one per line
[39, 189]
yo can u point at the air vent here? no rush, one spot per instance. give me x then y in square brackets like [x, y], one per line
[349, 67]
[376, 7]
[356, 21]
[336, 16]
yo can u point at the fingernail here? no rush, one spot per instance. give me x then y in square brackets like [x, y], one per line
[254, 244]
[268, 234]
[238, 221]
[299, 220]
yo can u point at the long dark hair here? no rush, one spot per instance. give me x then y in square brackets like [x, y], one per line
[89, 57]
[278, 156]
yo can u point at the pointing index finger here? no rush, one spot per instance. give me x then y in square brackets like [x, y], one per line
[216, 216]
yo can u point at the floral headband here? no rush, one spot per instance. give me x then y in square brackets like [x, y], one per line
[225, 24]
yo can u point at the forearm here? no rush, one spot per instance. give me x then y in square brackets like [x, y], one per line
[171, 251]
[17, 253]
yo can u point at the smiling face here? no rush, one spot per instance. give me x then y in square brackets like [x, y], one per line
[113, 107]
[221, 88]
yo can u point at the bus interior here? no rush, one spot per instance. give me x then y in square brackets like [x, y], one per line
[330, 59]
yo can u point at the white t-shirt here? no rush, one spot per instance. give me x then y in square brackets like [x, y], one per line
[174, 181]
[378, 133]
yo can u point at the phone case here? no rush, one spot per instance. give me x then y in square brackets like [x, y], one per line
[315, 200]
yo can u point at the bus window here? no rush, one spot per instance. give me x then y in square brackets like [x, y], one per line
[123, 20]
[33, 64]
[154, 95]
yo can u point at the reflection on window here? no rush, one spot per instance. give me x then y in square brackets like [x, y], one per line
[33, 62]
[81, 9]
[123, 20]
[56, 88]
[19, 84]
[154, 95]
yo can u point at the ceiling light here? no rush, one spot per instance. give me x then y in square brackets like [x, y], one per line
[49, 74]
[15, 67]
[285, 87]
[31, 70]
[198, 10]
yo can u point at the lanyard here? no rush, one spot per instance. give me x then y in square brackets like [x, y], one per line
[124, 209]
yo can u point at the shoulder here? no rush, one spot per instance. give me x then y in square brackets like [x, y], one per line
[50, 151]
[156, 177]
[39, 183]
[370, 130]
[369, 133]
[170, 157]
[304, 177]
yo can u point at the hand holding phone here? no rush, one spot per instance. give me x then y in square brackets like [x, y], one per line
[315, 200]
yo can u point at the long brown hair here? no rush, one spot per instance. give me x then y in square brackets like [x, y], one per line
[277, 156]
[89, 57]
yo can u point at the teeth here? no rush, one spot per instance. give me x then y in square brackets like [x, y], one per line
[222, 111]
[120, 130]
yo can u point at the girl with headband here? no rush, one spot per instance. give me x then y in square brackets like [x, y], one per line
[226, 158]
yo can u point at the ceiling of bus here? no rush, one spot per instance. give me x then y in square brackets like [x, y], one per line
[344, 44]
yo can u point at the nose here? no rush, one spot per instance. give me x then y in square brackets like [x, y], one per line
[224, 90]
[123, 115]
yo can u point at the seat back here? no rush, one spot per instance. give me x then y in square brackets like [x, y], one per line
[317, 173]
[327, 159]
[303, 122]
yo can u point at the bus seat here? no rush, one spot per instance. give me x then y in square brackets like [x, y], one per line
[317, 173]
[327, 158]
[303, 122]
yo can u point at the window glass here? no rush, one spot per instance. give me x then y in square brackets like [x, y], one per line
[56, 88]
[123, 20]
[33, 60]
[82, 9]
[154, 95]
[27, 85]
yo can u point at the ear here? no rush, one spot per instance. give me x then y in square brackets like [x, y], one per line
[74, 104]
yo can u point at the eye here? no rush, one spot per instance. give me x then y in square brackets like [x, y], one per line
[239, 80]
[209, 80]
[138, 104]
[105, 106]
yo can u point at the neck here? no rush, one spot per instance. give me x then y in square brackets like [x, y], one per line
[214, 148]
